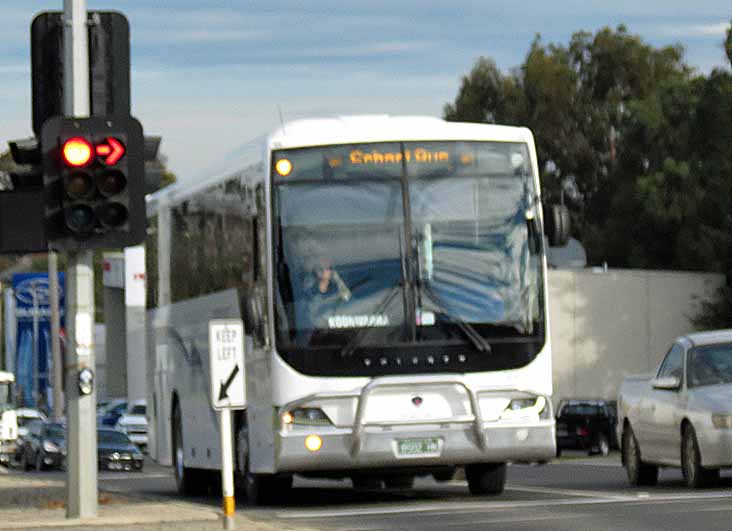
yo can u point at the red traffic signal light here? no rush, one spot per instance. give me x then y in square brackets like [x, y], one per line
[77, 152]
[110, 151]
[93, 182]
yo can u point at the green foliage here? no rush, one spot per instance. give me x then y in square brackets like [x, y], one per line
[647, 141]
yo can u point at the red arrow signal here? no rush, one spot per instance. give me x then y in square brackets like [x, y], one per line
[110, 151]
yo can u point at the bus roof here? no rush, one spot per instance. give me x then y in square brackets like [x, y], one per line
[385, 128]
[328, 131]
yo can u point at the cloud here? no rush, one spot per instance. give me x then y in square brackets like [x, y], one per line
[694, 30]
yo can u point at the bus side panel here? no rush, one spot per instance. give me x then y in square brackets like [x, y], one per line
[261, 415]
[182, 375]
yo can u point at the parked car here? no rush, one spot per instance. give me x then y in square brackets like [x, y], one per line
[682, 415]
[115, 451]
[111, 412]
[43, 446]
[24, 415]
[586, 425]
[133, 422]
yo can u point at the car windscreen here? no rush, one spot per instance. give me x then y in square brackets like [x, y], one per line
[580, 410]
[112, 437]
[138, 409]
[710, 365]
[55, 431]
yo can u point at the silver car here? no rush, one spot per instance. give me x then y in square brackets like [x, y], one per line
[682, 416]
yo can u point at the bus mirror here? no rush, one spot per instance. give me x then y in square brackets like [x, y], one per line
[556, 225]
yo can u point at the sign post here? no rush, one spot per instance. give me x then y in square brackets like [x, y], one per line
[226, 358]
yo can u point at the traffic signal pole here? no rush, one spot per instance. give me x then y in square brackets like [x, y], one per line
[81, 460]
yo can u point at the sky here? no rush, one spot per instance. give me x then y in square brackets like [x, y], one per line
[211, 75]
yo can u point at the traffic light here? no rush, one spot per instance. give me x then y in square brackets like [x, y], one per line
[93, 182]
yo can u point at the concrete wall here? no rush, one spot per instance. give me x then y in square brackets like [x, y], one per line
[606, 325]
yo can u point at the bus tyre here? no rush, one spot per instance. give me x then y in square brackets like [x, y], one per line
[399, 482]
[262, 489]
[486, 478]
[188, 480]
[639, 473]
[445, 475]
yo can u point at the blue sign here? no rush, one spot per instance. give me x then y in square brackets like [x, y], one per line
[33, 373]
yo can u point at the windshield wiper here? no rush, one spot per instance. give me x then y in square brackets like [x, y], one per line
[356, 340]
[470, 332]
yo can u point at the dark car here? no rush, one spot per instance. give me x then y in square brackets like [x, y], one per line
[113, 412]
[43, 446]
[115, 451]
[586, 425]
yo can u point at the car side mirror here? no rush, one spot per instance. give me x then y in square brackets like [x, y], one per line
[556, 224]
[667, 383]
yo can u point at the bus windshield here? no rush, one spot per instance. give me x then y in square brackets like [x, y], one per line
[405, 243]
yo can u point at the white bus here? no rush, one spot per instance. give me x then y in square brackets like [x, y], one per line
[391, 276]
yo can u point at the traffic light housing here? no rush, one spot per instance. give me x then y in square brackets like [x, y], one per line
[93, 182]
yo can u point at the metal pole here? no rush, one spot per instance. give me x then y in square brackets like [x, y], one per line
[227, 469]
[81, 479]
[35, 362]
[53, 300]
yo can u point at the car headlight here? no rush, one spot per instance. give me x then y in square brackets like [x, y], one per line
[308, 416]
[722, 422]
[526, 408]
[48, 446]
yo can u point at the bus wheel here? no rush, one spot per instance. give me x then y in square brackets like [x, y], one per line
[186, 479]
[488, 478]
[262, 489]
[399, 482]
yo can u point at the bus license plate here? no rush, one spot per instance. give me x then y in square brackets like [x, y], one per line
[418, 447]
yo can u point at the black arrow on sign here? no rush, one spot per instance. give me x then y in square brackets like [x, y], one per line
[223, 391]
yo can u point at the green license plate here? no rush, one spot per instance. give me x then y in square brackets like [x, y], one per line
[418, 447]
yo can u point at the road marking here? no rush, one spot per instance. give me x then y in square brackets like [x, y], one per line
[482, 506]
[572, 492]
[499, 520]
[113, 476]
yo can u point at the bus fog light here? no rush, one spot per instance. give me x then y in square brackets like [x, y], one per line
[313, 443]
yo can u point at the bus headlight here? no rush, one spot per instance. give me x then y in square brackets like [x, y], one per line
[306, 416]
[526, 408]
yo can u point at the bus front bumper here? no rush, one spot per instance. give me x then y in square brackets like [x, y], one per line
[424, 446]
[467, 431]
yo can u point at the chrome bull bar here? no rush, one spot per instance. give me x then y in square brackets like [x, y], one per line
[394, 382]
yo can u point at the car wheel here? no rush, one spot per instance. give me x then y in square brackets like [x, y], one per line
[488, 478]
[695, 475]
[24, 461]
[639, 473]
[603, 444]
[39, 462]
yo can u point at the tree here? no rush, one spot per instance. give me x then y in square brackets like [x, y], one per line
[646, 140]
